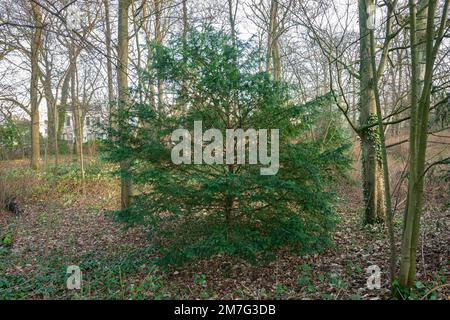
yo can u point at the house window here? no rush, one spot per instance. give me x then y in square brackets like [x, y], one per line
[68, 122]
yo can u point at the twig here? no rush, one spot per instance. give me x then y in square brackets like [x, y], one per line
[434, 289]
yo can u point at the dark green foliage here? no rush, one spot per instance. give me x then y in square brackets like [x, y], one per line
[201, 210]
[15, 136]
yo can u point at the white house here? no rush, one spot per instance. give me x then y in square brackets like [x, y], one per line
[93, 117]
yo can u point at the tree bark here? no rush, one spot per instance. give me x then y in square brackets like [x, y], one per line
[422, 31]
[122, 81]
[63, 106]
[35, 47]
[158, 40]
[372, 171]
[108, 51]
[384, 158]
[78, 122]
[52, 113]
[185, 20]
[273, 65]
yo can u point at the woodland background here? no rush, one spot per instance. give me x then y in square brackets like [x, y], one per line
[359, 91]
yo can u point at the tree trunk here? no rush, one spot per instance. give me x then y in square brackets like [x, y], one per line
[372, 174]
[63, 106]
[185, 20]
[108, 52]
[122, 81]
[184, 88]
[78, 123]
[136, 21]
[276, 60]
[55, 132]
[231, 19]
[52, 114]
[35, 46]
[422, 32]
[382, 146]
[158, 40]
[273, 66]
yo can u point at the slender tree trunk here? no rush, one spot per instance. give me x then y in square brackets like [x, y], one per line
[184, 87]
[52, 114]
[55, 132]
[46, 153]
[77, 116]
[150, 96]
[231, 18]
[272, 46]
[372, 171]
[158, 40]
[228, 206]
[276, 60]
[108, 51]
[50, 118]
[35, 46]
[52, 126]
[420, 109]
[122, 81]
[63, 106]
[136, 28]
[185, 20]
[355, 105]
[384, 158]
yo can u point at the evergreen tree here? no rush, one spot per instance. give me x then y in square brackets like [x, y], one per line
[197, 210]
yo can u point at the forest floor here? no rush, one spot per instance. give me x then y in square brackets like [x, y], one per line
[59, 226]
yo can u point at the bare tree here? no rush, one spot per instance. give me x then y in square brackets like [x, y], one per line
[122, 82]
[35, 47]
[421, 82]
